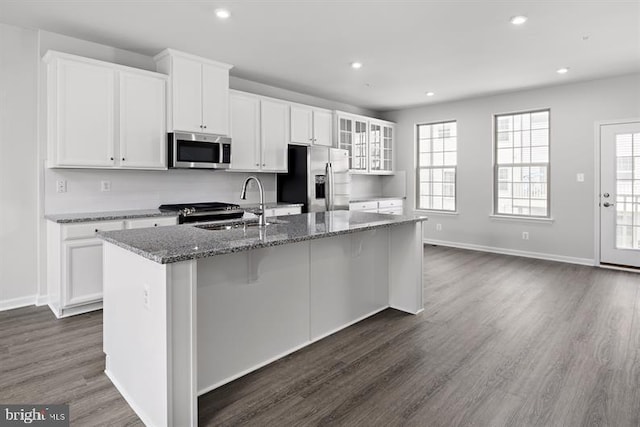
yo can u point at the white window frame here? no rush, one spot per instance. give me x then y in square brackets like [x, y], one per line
[496, 166]
[418, 168]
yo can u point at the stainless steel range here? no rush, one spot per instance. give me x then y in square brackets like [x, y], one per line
[204, 211]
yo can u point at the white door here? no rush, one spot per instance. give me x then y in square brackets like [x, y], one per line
[86, 110]
[620, 194]
[245, 132]
[301, 125]
[274, 125]
[323, 128]
[187, 95]
[143, 138]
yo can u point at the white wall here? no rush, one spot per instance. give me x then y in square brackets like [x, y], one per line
[18, 167]
[574, 110]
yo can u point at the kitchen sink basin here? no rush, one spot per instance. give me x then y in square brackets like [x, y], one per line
[237, 225]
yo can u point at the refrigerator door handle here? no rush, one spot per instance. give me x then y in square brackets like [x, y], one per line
[328, 187]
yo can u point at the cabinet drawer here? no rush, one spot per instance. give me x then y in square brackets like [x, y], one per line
[151, 222]
[286, 211]
[383, 204]
[89, 229]
[361, 206]
[391, 211]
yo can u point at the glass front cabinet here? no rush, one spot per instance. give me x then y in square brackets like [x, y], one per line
[369, 143]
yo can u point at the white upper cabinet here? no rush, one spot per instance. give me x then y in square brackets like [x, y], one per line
[81, 107]
[259, 133]
[142, 121]
[274, 133]
[368, 141]
[199, 92]
[245, 131]
[103, 115]
[311, 125]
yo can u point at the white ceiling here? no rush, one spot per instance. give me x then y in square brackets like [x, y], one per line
[456, 49]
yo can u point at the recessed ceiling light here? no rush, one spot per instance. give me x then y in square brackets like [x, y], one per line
[563, 70]
[518, 20]
[223, 13]
[430, 93]
[356, 65]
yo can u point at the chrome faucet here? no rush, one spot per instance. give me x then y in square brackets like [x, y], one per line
[261, 214]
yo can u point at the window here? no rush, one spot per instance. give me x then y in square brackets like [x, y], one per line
[437, 164]
[521, 171]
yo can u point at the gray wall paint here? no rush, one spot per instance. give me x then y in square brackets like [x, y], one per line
[574, 110]
[18, 166]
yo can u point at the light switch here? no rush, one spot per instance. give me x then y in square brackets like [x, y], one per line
[580, 177]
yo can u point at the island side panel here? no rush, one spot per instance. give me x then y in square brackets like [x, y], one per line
[253, 308]
[349, 279]
[405, 267]
[136, 333]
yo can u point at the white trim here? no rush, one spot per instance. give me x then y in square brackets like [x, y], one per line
[515, 252]
[10, 304]
[42, 300]
[287, 352]
[137, 409]
[496, 217]
[620, 268]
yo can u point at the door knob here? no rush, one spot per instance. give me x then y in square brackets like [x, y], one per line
[607, 204]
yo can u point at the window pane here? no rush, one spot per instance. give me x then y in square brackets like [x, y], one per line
[449, 175]
[450, 129]
[450, 144]
[539, 207]
[505, 206]
[540, 120]
[438, 159]
[539, 191]
[436, 175]
[538, 174]
[438, 144]
[450, 158]
[539, 137]
[425, 159]
[539, 154]
[449, 203]
[504, 189]
[437, 147]
[505, 155]
[505, 140]
[505, 174]
[425, 175]
[425, 188]
[526, 121]
[437, 188]
[436, 203]
[505, 123]
[624, 145]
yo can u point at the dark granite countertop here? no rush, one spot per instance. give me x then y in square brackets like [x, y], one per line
[107, 215]
[170, 244]
[139, 213]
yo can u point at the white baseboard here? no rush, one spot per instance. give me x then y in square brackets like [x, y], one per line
[42, 300]
[505, 251]
[10, 304]
[139, 412]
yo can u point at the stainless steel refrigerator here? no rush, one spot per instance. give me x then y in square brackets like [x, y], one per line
[318, 177]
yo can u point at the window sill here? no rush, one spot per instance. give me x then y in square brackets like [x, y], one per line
[520, 218]
[436, 212]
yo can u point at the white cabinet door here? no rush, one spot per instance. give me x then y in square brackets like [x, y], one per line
[274, 134]
[142, 121]
[301, 125]
[186, 78]
[245, 132]
[323, 128]
[85, 115]
[82, 275]
[215, 100]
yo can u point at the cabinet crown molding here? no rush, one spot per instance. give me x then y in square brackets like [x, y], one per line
[53, 55]
[173, 52]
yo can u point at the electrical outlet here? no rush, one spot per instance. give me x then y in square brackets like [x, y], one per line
[105, 185]
[146, 297]
[438, 227]
[580, 177]
[61, 186]
[525, 235]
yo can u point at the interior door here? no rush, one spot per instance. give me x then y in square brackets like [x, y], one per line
[620, 194]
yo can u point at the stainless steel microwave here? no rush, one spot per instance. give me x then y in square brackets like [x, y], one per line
[199, 151]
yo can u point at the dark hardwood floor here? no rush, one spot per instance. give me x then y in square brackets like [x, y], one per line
[502, 341]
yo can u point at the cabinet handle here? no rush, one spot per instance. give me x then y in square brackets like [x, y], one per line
[264, 164]
[155, 225]
[257, 164]
[123, 159]
[205, 126]
[111, 158]
[200, 126]
[96, 230]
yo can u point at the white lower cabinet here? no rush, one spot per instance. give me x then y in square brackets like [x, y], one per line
[386, 206]
[74, 262]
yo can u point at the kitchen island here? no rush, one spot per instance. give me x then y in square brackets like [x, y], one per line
[188, 309]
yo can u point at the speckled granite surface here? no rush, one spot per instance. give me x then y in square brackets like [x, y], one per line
[138, 213]
[107, 215]
[183, 242]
